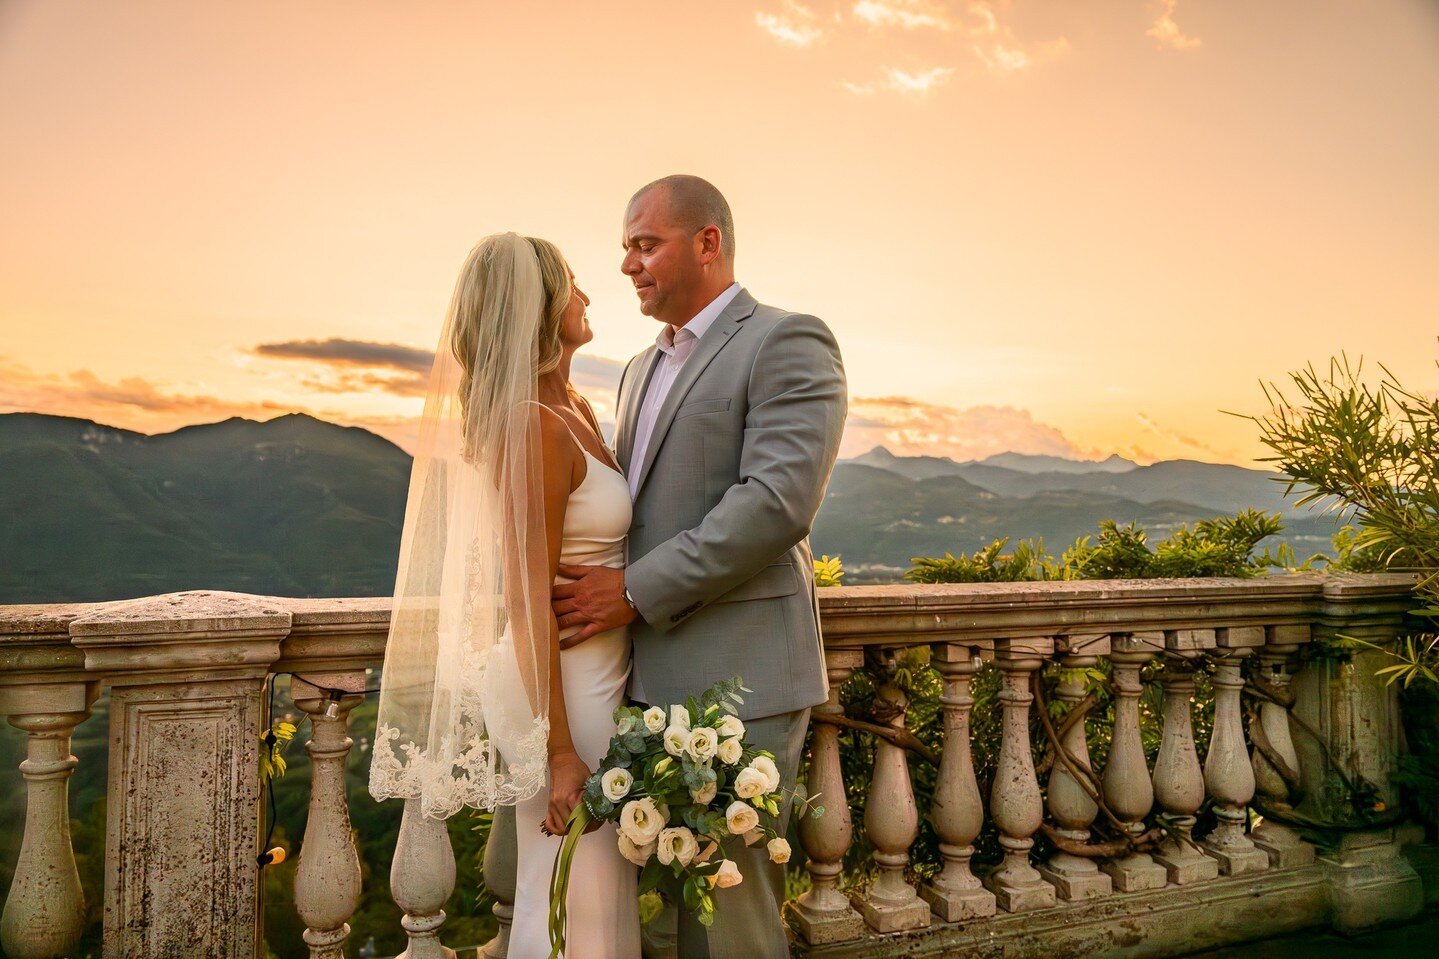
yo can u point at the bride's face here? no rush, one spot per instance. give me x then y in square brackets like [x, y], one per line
[575, 325]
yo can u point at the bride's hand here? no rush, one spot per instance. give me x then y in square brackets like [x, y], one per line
[568, 773]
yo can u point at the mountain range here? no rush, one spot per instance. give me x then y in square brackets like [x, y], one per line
[300, 507]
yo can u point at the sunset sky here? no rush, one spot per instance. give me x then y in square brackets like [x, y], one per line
[1067, 227]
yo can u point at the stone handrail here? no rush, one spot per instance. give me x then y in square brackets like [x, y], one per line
[189, 673]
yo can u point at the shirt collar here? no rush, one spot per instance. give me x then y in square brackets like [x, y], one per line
[702, 321]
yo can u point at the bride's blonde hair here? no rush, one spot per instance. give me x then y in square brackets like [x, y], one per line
[469, 337]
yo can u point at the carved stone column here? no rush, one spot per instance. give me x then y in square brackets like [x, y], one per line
[1178, 778]
[1128, 790]
[891, 821]
[187, 681]
[422, 876]
[1014, 800]
[824, 914]
[958, 814]
[1281, 843]
[327, 880]
[501, 863]
[1070, 803]
[1228, 772]
[44, 913]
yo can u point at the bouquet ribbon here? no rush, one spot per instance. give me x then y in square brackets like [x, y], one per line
[575, 827]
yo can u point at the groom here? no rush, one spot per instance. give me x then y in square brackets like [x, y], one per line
[728, 429]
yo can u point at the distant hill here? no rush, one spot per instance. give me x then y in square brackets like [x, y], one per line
[292, 506]
[296, 506]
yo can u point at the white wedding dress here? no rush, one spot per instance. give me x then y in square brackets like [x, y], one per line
[603, 909]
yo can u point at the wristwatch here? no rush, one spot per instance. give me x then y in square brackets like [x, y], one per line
[630, 600]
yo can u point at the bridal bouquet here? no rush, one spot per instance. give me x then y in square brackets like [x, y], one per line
[681, 783]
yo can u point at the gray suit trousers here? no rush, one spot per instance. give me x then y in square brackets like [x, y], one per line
[747, 917]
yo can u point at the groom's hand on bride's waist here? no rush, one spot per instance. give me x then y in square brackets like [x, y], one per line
[595, 601]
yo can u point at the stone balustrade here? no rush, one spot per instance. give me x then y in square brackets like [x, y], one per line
[1092, 848]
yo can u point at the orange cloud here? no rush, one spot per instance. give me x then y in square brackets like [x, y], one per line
[794, 24]
[909, 427]
[1167, 32]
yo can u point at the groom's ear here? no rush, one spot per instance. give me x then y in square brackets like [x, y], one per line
[708, 244]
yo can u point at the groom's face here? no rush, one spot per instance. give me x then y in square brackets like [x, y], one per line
[661, 259]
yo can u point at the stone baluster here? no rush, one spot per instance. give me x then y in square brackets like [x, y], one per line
[187, 675]
[1178, 778]
[422, 876]
[1014, 800]
[1228, 772]
[44, 913]
[1281, 843]
[501, 862]
[958, 814]
[1128, 790]
[824, 914]
[891, 821]
[1070, 803]
[327, 880]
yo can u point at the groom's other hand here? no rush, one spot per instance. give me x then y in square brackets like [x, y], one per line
[595, 601]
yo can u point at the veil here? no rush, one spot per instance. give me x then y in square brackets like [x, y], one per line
[464, 696]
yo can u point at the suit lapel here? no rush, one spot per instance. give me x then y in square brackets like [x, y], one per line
[705, 350]
[634, 396]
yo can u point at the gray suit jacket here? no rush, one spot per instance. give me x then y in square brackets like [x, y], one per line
[718, 561]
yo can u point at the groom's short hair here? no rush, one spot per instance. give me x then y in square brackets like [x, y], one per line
[696, 203]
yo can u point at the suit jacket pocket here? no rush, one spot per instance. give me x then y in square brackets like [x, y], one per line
[702, 406]
[775, 580]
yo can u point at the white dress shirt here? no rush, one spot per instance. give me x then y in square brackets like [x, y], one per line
[676, 346]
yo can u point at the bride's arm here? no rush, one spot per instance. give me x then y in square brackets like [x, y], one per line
[567, 770]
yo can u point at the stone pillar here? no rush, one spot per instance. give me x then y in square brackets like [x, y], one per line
[1014, 800]
[1228, 772]
[891, 821]
[422, 876]
[824, 914]
[958, 814]
[1356, 714]
[1178, 779]
[187, 682]
[1070, 803]
[501, 863]
[327, 880]
[1128, 790]
[1281, 843]
[44, 913]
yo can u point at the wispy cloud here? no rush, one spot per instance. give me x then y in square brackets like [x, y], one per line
[794, 24]
[910, 427]
[905, 14]
[357, 366]
[899, 81]
[1181, 439]
[1167, 32]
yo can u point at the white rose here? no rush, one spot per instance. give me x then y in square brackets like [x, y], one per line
[655, 719]
[731, 726]
[641, 821]
[767, 767]
[616, 784]
[675, 739]
[778, 849]
[679, 716]
[705, 795]
[639, 855]
[728, 875]
[730, 751]
[677, 844]
[701, 745]
[740, 818]
[750, 783]
[754, 835]
[626, 724]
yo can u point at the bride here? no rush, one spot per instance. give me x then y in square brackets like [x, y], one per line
[479, 705]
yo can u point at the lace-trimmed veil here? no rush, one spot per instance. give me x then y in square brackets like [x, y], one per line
[473, 583]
